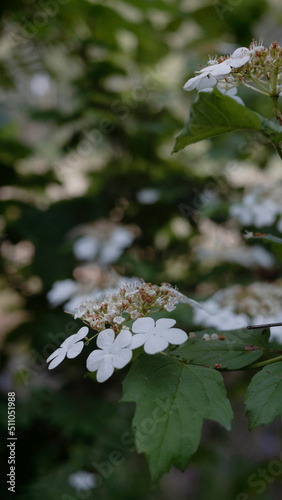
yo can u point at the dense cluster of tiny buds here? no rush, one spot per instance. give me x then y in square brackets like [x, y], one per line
[133, 301]
[208, 337]
[264, 66]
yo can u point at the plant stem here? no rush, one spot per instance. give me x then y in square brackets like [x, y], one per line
[253, 88]
[274, 82]
[276, 109]
[259, 85]
[265, 363]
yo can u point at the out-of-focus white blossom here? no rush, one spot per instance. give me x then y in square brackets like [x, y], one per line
[239, 306]
[61, 291]
[93, 283]
[86, 248]
[219, 243]
[82, 480]
[147, 196]
[260, 207]
[104, 251]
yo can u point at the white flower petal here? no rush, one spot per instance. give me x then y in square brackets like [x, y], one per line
[155, 344]
[105, 369]
[122, 358]
[68, 342]
[143, 325]
[237, 63]
[122, 340]
[207, 69]
[231, 92]
[164, 324]
[60, 357]
[138, 340]
[75, 350]
[240, 52]
[207, 89]
[175, 336]
[239, 100]
[221, 69]
[105, 339]
[206, 82]
[191, 84]
[81, 334]
[54, 354]
[94, 360]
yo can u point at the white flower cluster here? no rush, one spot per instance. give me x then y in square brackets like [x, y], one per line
[260, 207]
[217, 71]
[82, 480]
[115, 351]
[237, 306]
[102, 241]
[220, 243]
[256, 64]
[99, 245]
[136, 300]
[107, 251]
[115, 341]
[91, 283]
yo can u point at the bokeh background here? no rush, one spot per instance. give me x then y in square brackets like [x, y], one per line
[91, 101]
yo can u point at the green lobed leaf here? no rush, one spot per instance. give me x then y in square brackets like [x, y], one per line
[172, 400]
[264, 395]
[239, 348]
[214, 114]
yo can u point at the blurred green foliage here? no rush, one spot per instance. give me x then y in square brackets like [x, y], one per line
[81, 151]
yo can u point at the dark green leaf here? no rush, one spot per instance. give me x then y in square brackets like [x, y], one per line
[172, 400]
[264, 395]
[239, 348]
[215, 114]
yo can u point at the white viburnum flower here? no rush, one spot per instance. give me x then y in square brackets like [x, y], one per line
[71, 347]
[208, 77]
[114, 352]
[82, 480]
[200, 82]
[156, 336]
[239, 57]
[218, 70]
